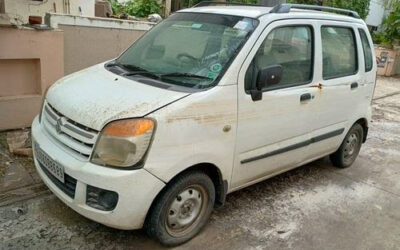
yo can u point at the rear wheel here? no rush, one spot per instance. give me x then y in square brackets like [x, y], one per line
[349, 149]
[182, 209]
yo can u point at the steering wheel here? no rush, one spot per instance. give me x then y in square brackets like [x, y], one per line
[193, 59]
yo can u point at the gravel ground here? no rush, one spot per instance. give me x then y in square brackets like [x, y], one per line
[312, 207]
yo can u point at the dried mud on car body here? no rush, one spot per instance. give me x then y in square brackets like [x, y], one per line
[312, 207]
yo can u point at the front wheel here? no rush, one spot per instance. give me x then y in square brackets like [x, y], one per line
[349, 149]
[182, 209]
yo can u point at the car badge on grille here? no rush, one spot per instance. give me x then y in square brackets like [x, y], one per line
[59, 124]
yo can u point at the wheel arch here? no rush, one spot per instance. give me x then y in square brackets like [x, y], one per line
[215, 174]
[221, 185]
[364, 124]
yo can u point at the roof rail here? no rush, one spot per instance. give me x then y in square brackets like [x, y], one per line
[285, 8]
[214, 3]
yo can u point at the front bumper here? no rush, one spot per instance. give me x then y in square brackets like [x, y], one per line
[136, 188]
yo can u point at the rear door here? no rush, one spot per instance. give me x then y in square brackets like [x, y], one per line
[273, 133]
[368, 65]
[341, 76]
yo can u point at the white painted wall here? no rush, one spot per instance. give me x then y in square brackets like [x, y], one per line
[87, 7]
[376, 13]
[54, 20]
[22, 9]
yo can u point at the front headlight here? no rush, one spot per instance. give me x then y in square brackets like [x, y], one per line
[123, 143]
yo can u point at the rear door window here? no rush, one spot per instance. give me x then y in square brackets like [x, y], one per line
[339, 52]
[367, 50]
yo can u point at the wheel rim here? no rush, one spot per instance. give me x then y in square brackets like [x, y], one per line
[351, 146]
[186, 210]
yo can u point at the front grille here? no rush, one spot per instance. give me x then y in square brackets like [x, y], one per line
[76, 137]
[69, 185]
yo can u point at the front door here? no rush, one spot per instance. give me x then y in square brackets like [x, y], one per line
[274, 133]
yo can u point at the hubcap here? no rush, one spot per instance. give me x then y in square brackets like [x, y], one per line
[185, 210]
[351, 146]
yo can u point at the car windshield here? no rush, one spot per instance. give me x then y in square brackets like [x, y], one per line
[188, 49]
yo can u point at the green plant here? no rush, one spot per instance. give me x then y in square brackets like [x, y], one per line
[142, 8]
[139, 8]
[391, 3]
[378, 38]
[361, 6]
[390, 33]
[116, 6]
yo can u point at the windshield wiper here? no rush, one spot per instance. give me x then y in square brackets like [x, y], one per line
[177, 74]
[136, 70]
[133, 73]
[132, 67]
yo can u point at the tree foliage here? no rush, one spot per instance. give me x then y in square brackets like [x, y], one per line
[116, 6]
[142, 8]
[390, 33]
[361, 6]
[391, 3]
[138, 8]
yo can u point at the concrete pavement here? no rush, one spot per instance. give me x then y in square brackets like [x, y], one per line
[315, 206]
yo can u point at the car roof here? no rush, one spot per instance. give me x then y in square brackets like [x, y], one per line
[245, 11]
[258, 11]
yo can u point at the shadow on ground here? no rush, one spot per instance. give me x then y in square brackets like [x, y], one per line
[315, 206]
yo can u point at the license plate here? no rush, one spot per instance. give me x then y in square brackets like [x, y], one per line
[51, 165]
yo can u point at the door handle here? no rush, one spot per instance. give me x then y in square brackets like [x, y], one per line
[354, 85]
[305, 97]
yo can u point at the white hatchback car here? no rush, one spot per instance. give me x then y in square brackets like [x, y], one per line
[211, 100]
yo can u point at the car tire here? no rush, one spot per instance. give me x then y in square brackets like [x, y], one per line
[182, 209]
[349, 149]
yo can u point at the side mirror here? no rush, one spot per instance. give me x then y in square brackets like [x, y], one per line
[266, 77]
[269, 76]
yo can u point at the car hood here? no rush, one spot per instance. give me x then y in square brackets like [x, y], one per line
[95, 96]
